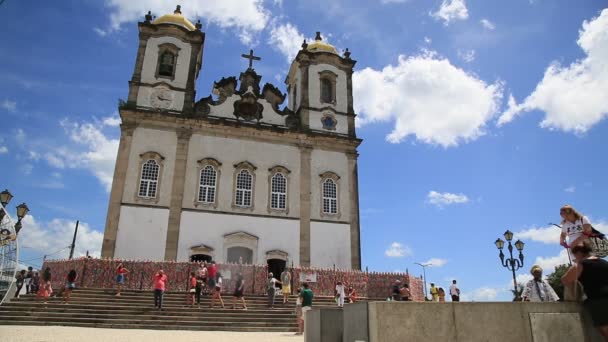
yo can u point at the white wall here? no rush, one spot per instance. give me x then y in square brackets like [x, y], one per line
[146, 140]
[314, 86]
[329, 245]
[337, 162]
[209, 228]
[230, 151]
[148, 72]
[142, 233]
[316, 124]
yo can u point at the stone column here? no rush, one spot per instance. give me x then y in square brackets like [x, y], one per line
[350, 108]
[355, 229]
[190, 91]
[305, 97]
[118, 186]
[305, 179]
[139, 63]
[177, 192]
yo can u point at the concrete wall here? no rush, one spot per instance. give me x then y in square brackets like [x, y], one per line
[472, 322]
[320, 325]
[142, 233]
[330, 245]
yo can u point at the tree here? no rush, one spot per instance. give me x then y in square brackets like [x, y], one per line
[555, 280]
[517, 293]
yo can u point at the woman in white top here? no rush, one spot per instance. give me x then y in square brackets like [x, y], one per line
[575, 227]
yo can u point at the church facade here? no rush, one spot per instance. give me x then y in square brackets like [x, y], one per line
[238, 175]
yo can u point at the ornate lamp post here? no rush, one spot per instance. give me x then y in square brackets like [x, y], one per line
[511, 263]
[9, 251]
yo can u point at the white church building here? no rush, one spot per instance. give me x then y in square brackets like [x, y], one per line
[237, 174]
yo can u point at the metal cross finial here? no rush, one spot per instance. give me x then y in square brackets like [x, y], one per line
[251, 58]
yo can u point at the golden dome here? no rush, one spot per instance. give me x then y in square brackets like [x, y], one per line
[320, 46]
[176, 18]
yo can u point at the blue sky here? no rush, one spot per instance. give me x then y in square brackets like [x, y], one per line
[477, 116]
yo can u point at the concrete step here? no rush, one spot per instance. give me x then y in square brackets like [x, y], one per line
[151, 327]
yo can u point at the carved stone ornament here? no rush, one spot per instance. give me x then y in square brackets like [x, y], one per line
[273, 95]
[202, 107]
[224, 88]
[250, 82]
[248, 108]
[329, 122]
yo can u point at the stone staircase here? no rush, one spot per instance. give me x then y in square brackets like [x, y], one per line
[135, 310]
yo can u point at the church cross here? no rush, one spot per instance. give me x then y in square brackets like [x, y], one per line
[251, 58]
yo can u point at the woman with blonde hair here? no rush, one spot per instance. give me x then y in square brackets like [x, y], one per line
[575, 227]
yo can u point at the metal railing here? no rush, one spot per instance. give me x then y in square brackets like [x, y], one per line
[9, 256]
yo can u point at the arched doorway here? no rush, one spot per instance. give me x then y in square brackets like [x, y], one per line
[200, 258]
[276, 266]
[236, 253]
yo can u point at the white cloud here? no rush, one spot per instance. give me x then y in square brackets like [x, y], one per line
[427, 97]
[398, 250]
[549, 235]
[100, 32]
[54, 235]
[446, 198]
[287, 39]
[428, 40]
[247, 17]
[467, 55]
[451, 10]
[33, 155]
[3, 149]
[20, 136]
[570, 189]
[573, 97]
[92, 150]
[548, 264]
[9, 105]
[112, 121]
[435, 262]
[487, 24]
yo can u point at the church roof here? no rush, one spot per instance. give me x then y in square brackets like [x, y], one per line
[320, 46]
[176, 18]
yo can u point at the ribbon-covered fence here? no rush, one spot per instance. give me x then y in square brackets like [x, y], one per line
[101, 273]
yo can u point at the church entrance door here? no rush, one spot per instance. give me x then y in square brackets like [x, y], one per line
[276, 266]
[200, 258]
[236, 253]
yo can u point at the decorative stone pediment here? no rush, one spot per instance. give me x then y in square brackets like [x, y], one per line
[248, 108]
[202, 249]
[277, 254]
[224, 88]
[273, 95]
[250, 82]
[240, 236]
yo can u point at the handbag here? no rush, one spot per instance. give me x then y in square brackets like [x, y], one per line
[599, 244]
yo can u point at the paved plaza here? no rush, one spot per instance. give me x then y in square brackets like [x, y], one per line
[11, 333]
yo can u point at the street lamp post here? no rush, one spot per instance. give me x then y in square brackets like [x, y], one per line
[512, 264]
[424, 266]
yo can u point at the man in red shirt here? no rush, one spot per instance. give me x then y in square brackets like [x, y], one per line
[212, 270]
[160, 282]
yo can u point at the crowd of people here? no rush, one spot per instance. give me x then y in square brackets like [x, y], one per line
[586, 269]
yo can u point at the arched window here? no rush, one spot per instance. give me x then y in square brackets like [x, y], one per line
[278, 192]
[149, 179]
[167, 64]
[207, 185]
[326, 91]
[330, 197]
[243, 193]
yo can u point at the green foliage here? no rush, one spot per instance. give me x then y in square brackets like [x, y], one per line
[517, 293]
[122, 104]
[555, 280]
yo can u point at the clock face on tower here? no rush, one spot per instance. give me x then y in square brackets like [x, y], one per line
[161, 98]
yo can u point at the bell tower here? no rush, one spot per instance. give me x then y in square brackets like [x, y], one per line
[320, 88]
[168, 62]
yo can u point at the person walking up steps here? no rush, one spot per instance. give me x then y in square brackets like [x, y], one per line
[45, 289]
[160, 282]
[434, 293]
[28, 280]
[455, 292]
[120, 277]
[239, 288]
[217, 291]
[70, 285]
[20, 281]
[271, 288]
[192, 288]
[286, 287]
